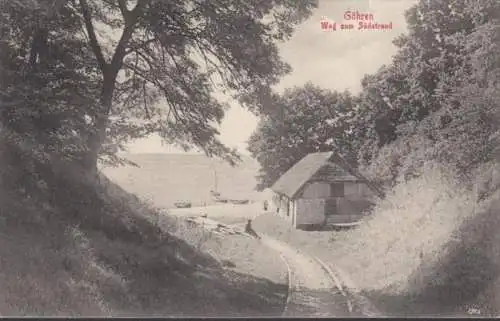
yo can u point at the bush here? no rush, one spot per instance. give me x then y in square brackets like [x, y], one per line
[414, 224]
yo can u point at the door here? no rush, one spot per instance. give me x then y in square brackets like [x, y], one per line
[331, 207]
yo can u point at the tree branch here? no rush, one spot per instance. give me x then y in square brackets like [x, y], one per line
[138, 7]
[155, 82]
[96, 48]
[148, 114]
[140, 46]
[130, 18]
[122, 4]
[41, 33]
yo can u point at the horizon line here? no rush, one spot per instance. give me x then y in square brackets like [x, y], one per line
[174, 153]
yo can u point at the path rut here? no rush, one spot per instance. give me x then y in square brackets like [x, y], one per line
[313, 292]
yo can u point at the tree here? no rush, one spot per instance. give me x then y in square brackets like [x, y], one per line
[305, 120]
[170, 57]
[48, 86]
[175, 50]
[435, 101]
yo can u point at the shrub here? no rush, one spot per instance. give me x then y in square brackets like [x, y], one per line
[413, 224]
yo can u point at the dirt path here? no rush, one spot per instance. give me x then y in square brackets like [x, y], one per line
[312, 291]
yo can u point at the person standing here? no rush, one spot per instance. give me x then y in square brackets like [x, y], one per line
[249, 229]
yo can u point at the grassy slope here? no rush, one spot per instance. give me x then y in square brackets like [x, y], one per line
[95, 251]
[428, 249]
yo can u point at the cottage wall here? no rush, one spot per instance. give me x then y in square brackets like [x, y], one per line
[293, 212]
[347, 206]
[357, 189]
[310, 204]
[316, 190]
[314, 204]
[356, 199]
[352, 189]
[284, 207]
[310, 211]
[276, 203]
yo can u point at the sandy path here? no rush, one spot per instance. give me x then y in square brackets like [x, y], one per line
[312, 293]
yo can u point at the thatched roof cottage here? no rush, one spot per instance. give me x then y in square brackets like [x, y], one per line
[322, 189]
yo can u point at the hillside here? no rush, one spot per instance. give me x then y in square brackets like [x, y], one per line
[94, 250]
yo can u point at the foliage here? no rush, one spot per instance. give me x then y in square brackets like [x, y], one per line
[48, 88]
[74, 90]
[437, 100]
[172, 56]
[306, 119]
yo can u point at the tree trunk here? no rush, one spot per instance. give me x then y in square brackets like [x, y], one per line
[94, 143]
[98, 135]
[110, 72]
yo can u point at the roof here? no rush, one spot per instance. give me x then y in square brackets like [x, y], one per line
[297, 176]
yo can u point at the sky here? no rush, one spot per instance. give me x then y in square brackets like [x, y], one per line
[335, 60]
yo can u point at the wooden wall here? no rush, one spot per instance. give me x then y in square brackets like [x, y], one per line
[310, 211]
[315, 190]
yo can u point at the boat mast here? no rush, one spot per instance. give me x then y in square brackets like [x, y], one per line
[215, 180]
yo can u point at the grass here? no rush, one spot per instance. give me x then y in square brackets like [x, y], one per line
[96, 250]
[240, 252]
[428, 248]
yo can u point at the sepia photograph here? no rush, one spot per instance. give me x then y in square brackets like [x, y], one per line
[259, 158]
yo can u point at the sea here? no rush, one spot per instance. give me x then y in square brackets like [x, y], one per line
[165, 179]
